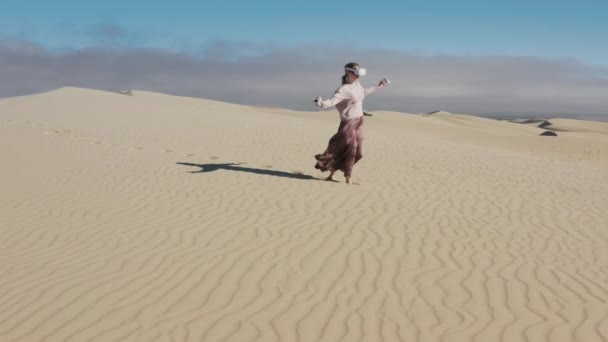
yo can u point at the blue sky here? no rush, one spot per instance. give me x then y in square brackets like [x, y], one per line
[532, 57]
[548, 29]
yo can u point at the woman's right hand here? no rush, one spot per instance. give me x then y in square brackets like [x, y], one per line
[318, 101]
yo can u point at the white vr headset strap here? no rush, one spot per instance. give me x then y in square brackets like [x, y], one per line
[358, 71]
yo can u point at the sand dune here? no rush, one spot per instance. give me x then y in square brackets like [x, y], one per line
[154, 217]
[572, 125]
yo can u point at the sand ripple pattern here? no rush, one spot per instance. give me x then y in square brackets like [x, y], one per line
[449, 242]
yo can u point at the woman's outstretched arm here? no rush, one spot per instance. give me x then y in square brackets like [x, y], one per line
[338, 97]
[373, 89]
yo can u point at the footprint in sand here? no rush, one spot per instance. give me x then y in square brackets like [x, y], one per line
[214, 157]
[61, 132]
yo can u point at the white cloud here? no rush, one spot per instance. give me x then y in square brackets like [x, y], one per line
[263, 74]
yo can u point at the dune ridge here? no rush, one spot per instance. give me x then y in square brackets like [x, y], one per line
[160, 218]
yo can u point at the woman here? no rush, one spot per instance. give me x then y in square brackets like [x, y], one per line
[345, 148]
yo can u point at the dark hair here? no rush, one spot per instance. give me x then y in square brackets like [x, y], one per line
[349, 65]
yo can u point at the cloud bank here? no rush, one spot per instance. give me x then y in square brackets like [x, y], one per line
[262, 74]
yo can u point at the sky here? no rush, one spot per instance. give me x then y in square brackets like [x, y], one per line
[483, 57]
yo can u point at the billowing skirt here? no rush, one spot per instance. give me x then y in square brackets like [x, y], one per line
[345, 148]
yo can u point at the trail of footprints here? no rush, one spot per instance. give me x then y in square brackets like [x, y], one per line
[68, 133]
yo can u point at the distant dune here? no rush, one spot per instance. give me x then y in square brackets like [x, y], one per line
[153, 217]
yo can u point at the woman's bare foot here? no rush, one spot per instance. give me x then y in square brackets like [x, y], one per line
[348, 180]
[331, 176]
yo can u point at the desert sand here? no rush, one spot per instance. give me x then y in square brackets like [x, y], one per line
[153, 217]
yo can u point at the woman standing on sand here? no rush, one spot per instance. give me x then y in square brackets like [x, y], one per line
[345, 148]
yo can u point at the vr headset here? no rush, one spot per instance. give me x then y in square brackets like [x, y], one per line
[357, 71]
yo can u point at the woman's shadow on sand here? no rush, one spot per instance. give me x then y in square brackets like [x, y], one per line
[237, 167]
